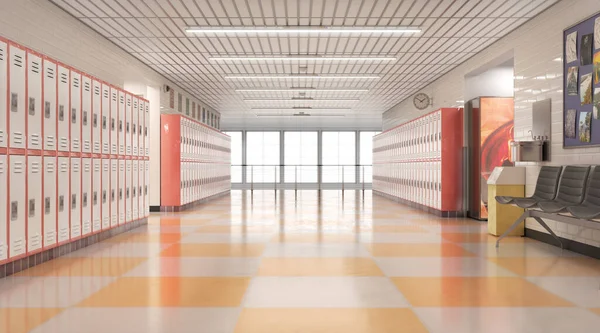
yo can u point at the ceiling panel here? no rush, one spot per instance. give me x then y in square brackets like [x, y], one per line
[452, 32]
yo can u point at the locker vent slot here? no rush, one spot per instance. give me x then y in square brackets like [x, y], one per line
[114, 97]
[95, 121]
[74, 115]
[47, 205]
[97, 91]
[121, 99]
[1, 54]
[35, 167]
[128, 103]
[31, 207]
[47, 112]
[18, 60]
[75, 82]
[14, 210]
[61, 203]
[61, 112]
[32, 106]
[86, 86]
[73, 201]
[50, 72]
[18, 167]
[14, 102]
[35, 67]
[64, 78]
[105, 94]
[95, 199]
[85, 118]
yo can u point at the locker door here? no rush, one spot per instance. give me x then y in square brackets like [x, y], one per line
[49, 204]
[128, 124]
[105, 119]
[3, 101]
[114, 121]
[75, 200]
[134, 190]
[146, 188]
[96, 195]
[140, 139]
[141, 188]
[134, 126]
[75, 112]
[34, 203]
[86, 114]
[63, 133]
[146, 127]
[128, 191]
[114, 193]
[121, 124]
[63, 197]
[86, 196]
[17, 98]
[121, 194]
[34, 101]
[17, 209]
[3, 205]
[50, 83]
[96, 117]
[105, 188]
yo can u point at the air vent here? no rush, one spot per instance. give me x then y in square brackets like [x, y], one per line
[1, 54]
[86, 86]
[50, 72]
[35, 67]
[63, 78]
[114, 97]
[75, 82]
[18, 60]
[97, 91]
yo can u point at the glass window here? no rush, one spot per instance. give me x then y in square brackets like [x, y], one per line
[339, 157]
[366, 156]
[236, 156]
[301, 157]
[262, 157]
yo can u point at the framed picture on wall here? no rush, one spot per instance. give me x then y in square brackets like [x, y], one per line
[585, 126]
[597, 34]
[586, 51]
[571, 47]
[585, 91]
[596, 108]
[570, 122]
[573, 81]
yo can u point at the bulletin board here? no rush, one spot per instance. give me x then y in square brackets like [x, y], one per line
[581, 84]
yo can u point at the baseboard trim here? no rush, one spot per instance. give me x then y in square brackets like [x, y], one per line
[154, 209]
[571, 245]
[424, 208]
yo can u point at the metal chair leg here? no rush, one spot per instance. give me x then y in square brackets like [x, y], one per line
[513, 226]
[543, 224]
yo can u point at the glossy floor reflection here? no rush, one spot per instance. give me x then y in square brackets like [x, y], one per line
[287, 264]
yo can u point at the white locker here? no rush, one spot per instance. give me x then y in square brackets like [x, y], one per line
[105, 119]
[97, 117]
[141, 114]
[16, 108]
[86, 196]
[128, 191]
[135, 205]
[49, 105]
[75, 200]
[63, 197]
[142, 189]
[114, 193]
[96, 195]
[146, 189]
[49, 203]
[121, 125]
[121, 194]
[63, 133]
[134, 126]
[75, 112]
[105, 188]
[146, 127]
[34, 203]
[114, 121]
[34, 101]
[3, 101]
[128, 124]
[17, 209]
[86, 114]
[3, 204]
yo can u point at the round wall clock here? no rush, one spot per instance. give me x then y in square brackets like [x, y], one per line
[421, 101]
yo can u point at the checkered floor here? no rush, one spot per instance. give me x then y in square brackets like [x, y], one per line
[262, 264]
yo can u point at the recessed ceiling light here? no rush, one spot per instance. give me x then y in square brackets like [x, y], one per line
[303, 58]
[301, 89]
[296, 99]
[302, 76]
[282, 30]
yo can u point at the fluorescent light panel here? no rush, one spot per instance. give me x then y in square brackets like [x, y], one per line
[301, 109]
[300, 76]
[301, 100]
[282, 30]
[301, 89]
[303, 58]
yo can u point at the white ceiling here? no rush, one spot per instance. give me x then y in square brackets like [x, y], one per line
[452, 32]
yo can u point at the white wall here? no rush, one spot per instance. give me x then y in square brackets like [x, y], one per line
[497, 81]
[44, 27]
[537, 47]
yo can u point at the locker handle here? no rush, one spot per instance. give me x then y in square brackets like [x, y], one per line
[95, 198]
[14, 102]
[103, 122]
[31, 207]
[104, 196]
[74, 201]
[61, 112]
[95, 120]
[73, 115]
[85, 118]
[47, 205]
[14, 210]
[47, 113]
[85, 200]
[32, 106]
[61, 203]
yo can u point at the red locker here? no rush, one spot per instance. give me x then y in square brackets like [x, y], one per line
[50, 110]
[34, 101]
[16, 109]
[86, 114]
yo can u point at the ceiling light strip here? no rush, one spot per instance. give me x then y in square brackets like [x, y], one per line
[301, 89]
[282, 30]
[303, 58]
[281, 77]
[300, 100]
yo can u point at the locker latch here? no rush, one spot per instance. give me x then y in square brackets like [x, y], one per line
[95, 120]
[127, 129]
[112, 124]
[47, 206]
[61, 112]
[74, 201]
[134, 127]
[127, 193]
[134, 192]
[85, 118]
[112, 196]
[120, 125]
[61, 203]
[95, 198]
[140, 191]
[31, 106]
[14, 102]
[120, 194]
[73, 115]
[14, 210]
[47, 113]
[103, 122]
[85, 200]
[104, 196]
[31, 207]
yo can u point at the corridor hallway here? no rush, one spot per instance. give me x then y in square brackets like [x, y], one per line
[259, 264]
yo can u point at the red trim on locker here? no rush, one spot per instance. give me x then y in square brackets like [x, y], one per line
[17, 151]
[6, 151]
[34, 152]
[63, 154]
[3, 151]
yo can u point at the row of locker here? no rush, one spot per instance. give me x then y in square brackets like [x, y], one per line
[201, 143]
[56, 108]
[196, 112]
[203, 180]
[66, 198]
[419, 182]
[418, 139]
